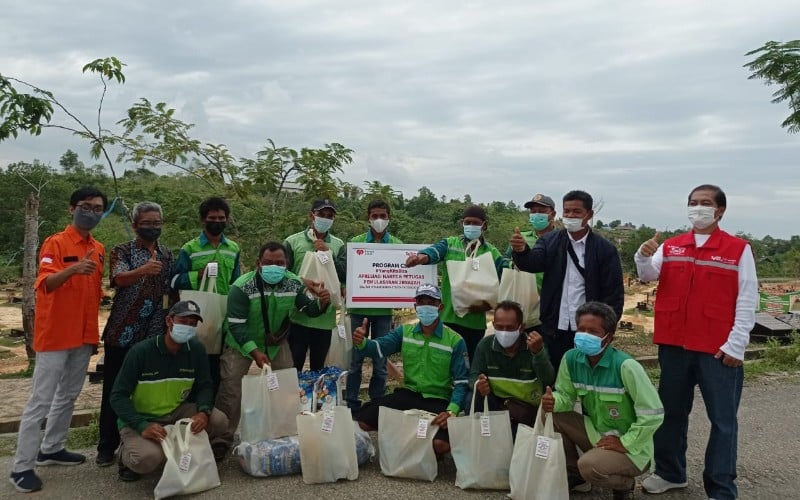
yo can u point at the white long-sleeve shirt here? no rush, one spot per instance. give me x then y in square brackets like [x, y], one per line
[573, 294]
[649, 269]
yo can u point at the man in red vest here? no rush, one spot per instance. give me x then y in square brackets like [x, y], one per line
[704, 312]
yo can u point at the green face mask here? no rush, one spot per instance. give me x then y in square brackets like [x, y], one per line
[540, 221]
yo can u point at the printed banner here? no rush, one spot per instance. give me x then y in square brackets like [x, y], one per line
[377, 275]
[778, 304]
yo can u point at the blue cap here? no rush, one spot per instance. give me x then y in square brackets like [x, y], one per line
[429, 290]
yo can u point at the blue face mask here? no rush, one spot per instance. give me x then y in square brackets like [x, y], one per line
[273, 274]
[427, 314]
[540, 221]
[472, 232]
[182, 333]
[322, 225]
[589, 344]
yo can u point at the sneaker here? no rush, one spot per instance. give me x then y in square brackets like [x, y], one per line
[127, 475]
[62, 457]
[656, 484]
[104, 458]
[26, 481]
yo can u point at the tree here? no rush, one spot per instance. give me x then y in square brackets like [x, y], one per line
[779, 64]
[614, 223]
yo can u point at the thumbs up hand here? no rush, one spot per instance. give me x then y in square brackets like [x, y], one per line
[86, 265]
[360, 333]
[548, 401]
[518, 242]
[650, 246]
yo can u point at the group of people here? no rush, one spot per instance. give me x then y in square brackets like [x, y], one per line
[156, 371]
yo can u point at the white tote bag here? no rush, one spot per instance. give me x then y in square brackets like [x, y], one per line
[327, 445]
[472, 281]
[538, 465]
[520, 287]
[481, 446]
[405, 443]
[318, 266]
[270, 403]
[190, 466]
[341, 349]
[213, 308]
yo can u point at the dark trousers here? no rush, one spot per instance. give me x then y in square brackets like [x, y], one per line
[557, 342]
[213, 366]
[470, 335]
[721, 387]
[303, 339]
[404, 399]
[515, 413]
[109, 433]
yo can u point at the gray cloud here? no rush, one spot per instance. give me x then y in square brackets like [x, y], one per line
[635, 102]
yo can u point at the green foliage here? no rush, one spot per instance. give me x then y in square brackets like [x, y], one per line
[109, 68]
[779, 64]
[20, 111]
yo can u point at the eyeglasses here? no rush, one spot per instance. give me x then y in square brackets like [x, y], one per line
[86, 208]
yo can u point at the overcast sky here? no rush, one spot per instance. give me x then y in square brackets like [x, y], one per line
[635, 102]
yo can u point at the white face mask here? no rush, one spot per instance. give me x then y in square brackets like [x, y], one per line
[573, 225]
[701, 217]
[379, 225]
[506, 339]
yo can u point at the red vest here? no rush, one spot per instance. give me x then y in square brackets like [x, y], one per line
[696, 300]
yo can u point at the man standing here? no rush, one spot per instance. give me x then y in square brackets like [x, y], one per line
[620, 406]
[259, 304]
[379, 321]
[704, 312]
[434, 363]
[579, 266]
[68, 293]
[472, 326]
[542, 214]
[511, 368]
[163, 379]
[211, 247]
[314, 333]
[139, 271]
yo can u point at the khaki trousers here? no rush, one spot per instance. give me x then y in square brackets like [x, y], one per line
[143, 456]
[232, 367]
[604, 468]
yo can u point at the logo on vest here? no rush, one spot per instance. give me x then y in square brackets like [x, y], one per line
[613, 412]
[673, 250]
[723, 260]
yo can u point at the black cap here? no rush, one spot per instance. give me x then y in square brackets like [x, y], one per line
[186, 308]
[542, 200]
[320, 204]
[474, 211]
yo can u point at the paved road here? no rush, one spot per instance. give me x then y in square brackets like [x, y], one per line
[769, 466]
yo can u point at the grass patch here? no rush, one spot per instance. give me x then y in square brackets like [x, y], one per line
[776, 359]
[26, 373]
[637, 312]
[7, 341]
[84, 437]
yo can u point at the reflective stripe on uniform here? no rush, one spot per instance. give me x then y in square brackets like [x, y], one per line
[604, 390]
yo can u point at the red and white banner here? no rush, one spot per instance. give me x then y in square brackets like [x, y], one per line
[377, 275]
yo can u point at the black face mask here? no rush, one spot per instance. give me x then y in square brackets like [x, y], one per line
[215, 228]
[148, 233]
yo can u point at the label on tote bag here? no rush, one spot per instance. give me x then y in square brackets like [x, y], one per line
[327, 421]
[422, 428]
[476, 265]
[323, 257]
[342, 331]
[272, 382]
[542, 447]
[186, 459]
[485, 430]
[212, 268]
